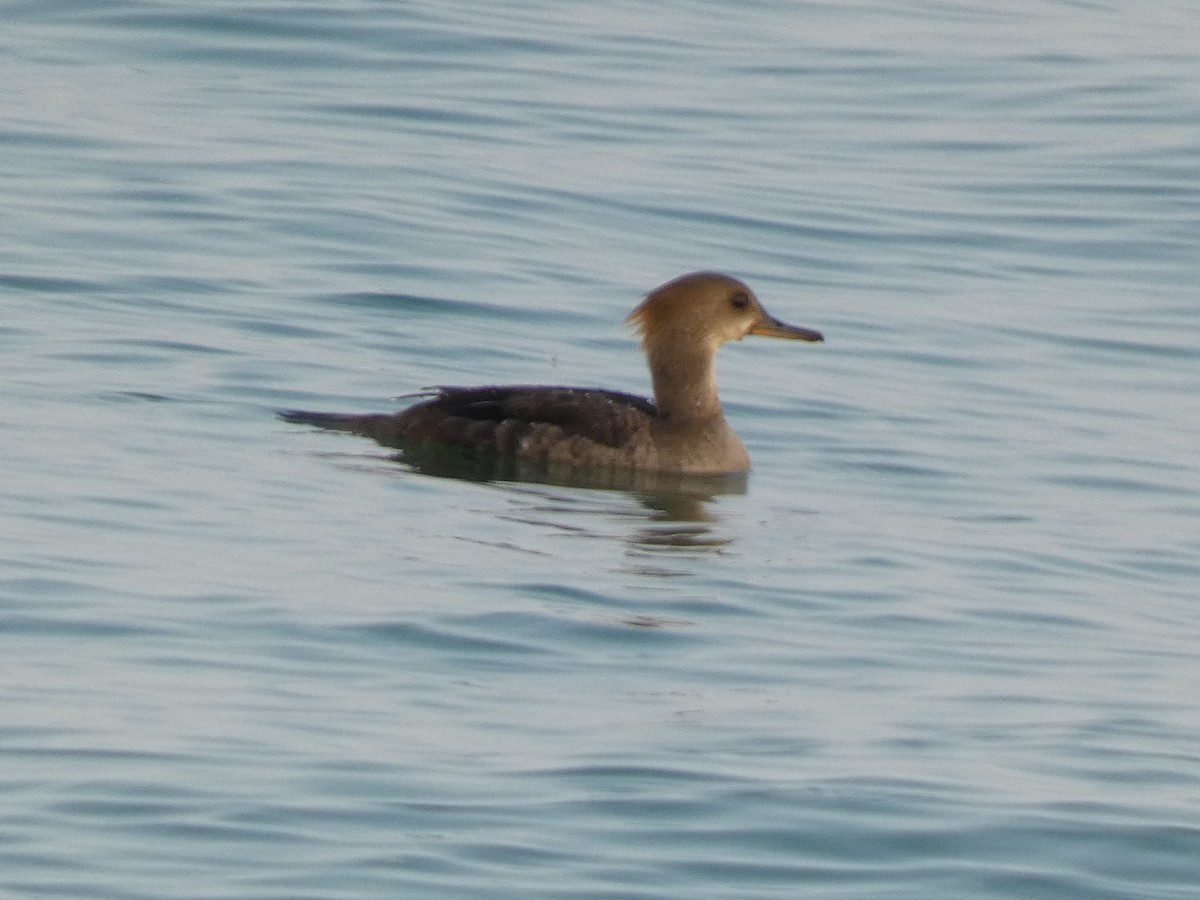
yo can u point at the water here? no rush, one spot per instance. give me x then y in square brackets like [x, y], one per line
[945, 642]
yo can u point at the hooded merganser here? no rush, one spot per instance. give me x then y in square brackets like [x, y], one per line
[682, 324]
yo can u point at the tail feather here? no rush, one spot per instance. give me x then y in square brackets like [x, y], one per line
[372, 425]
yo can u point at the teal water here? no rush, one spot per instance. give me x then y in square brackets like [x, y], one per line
[945, 644]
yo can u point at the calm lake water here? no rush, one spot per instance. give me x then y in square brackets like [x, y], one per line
[946, 642]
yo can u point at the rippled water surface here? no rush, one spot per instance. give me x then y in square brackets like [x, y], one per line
[943, 643]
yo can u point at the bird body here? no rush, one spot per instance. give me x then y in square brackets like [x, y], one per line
[682, 324]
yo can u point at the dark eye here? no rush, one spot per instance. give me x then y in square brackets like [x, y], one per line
[740, 300]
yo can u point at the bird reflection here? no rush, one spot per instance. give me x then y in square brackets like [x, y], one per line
[676, 510]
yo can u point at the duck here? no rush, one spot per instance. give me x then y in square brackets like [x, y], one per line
[683, 430]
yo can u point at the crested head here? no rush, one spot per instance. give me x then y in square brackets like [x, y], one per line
[706, 309]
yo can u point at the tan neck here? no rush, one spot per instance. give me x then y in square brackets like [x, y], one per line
[685, 387]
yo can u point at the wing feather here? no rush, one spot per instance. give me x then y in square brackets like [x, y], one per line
[534, 422]
[517, 415]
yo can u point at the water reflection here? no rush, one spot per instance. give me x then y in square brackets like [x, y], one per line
[676, 510]
[673, 511]
[681, 520]
[671, 491]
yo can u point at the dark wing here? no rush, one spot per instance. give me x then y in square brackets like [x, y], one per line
[516, 419]
[502, 418]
